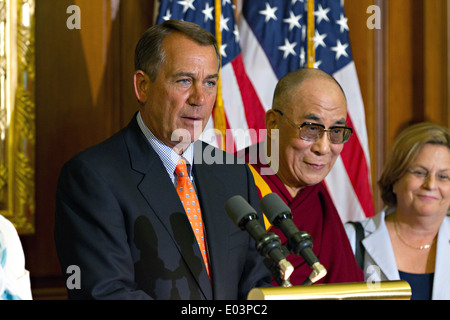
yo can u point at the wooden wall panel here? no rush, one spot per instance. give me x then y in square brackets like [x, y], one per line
[136, 17]
[399, 77]
[73, 110]
[417, 71]
[80, 75]
[436, 61]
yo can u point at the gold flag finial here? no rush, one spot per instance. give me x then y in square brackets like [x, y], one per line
[310, 35]
[219, 111]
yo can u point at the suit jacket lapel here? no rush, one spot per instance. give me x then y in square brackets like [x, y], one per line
[163, 200]
[155, 185]
[441, 282]
[215, 219]
[379, 247]
[168, 208]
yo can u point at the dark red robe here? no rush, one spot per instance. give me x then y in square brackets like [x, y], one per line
[314, 212]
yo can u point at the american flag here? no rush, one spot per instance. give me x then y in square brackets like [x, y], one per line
[268, 40]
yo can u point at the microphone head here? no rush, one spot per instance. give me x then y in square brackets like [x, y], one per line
[238, 208]
[273, 207]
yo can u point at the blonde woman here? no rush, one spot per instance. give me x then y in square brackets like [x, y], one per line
[410, 238]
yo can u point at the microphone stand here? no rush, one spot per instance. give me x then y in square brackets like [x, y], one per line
[281, 270]
[318, 273]
[281, 274]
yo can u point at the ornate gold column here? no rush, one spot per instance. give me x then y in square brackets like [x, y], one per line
[17, 113]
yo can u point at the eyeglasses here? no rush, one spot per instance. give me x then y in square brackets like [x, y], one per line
[422, 174]
[312, 131]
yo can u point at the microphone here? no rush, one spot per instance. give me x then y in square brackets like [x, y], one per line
[268, 244]
[299, 242]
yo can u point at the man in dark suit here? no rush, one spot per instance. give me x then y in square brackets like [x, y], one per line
[119, 217]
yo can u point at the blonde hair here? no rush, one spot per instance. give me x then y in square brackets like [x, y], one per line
[404, 150]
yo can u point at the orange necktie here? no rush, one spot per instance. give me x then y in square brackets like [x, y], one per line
[189, 199]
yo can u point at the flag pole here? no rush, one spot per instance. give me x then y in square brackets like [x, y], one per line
[219, 112]
[310, 35]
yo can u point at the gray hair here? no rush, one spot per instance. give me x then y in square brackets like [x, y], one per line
[149, 54]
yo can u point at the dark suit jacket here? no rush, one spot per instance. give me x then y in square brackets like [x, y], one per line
[119, 219]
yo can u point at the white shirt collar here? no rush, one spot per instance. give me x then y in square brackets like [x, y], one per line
[167, 155]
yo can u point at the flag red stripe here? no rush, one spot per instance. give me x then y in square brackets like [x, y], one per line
[254, 111]
[358, 171]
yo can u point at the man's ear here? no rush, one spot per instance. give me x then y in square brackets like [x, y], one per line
[141, 84]
[271, 122]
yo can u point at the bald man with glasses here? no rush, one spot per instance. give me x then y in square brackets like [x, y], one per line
[307, 128]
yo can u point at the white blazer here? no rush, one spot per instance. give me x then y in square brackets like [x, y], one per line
[14, 278]
[379, 259]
